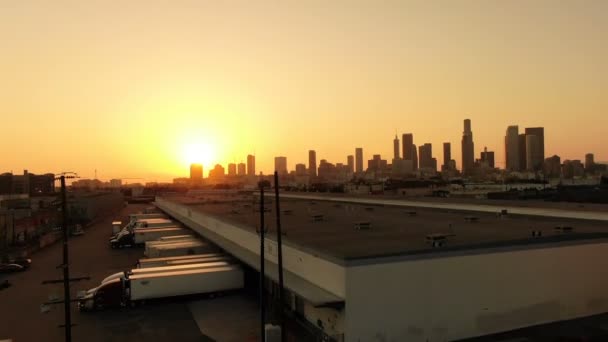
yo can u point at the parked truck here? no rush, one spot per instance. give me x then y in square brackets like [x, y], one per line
[125, 292]
[181, 248]
[143, 235]
[125, 236]
[207, 264]
[153, 262]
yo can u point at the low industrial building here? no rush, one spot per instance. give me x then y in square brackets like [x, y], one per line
[385, 272]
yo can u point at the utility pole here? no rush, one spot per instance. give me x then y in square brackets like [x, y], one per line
[66, 263]
[280, 257]
[262, 231]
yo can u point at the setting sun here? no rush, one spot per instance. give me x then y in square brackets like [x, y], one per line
[200, 153]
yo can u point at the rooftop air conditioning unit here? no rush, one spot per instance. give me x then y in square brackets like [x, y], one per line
[363, 225]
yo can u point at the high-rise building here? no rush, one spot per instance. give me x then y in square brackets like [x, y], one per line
[414, 158]
[534, 160]
[196, 174]
[468, 148]
[447, 155]
[408, 149]
[350, 163]
[251, 165]
[552, 167]
[521, 145]
[396, 147]
[217, 173]
[512, 149]
[232, 169]
[280, 165]
[425, 155]
[359, 160]
[241, 169]
[539, 132]
[487, 158]
[312, 163]
[589, 161]
[301, 170]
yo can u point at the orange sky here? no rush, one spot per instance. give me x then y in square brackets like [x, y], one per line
[126, 88]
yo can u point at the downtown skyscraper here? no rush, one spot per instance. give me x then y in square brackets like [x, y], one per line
[512, 149]
[468, 148]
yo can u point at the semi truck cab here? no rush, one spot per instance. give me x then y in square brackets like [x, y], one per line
[106, 295]
[122, 239]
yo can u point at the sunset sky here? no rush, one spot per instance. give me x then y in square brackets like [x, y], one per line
[135, 88]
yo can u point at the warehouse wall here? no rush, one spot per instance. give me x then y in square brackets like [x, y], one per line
[322, 273]
[443, 299]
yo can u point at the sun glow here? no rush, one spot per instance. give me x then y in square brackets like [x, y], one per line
[200, 153]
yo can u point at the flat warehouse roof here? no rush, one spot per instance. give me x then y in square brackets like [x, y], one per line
[351, 231]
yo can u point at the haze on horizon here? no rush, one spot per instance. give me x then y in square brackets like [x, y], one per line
[128, 88]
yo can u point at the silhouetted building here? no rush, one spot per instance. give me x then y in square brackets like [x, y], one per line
[232, 169]
[447, 155]
[521, 145]
[351, 163]
[401, 168]
[589, 162]
[251, 165]
[312, 163]
[572, 168]
[468, 148]
[409, 149]
[217, 173]
[117, 183]
[301, 170]
[280, 165]
[28, 183]
[241, 169]
[396, 147]
[552, 167]
[196, 174]
[487, 158]
[539, 132]
[425, 156]
[377, 165]
[534, 160]
[512, 149]
[359, 160]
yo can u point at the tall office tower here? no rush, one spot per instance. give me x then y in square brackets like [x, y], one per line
[414, 158]
[589, 161]
[351, 163]
[447, 155]
[280, 165]
[540, 135]
[468, 149]
[359, 160]
[251, 165]
[241, 169]
[312, 163]
[425, 155]
[301, 170]
[512, 149]
[232, 169]
[552, 167]
[534, 160]
[396, 147]
[487, 157]
[521, 145]
[196, 173]
[407, 142]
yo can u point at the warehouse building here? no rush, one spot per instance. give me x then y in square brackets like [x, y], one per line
[378, 272]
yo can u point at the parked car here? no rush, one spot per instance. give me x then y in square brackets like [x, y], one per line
[23, 262]
[9, 268]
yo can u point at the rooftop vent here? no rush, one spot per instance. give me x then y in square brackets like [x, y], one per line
[317, 217]
[537, 233]
[471, 218]
[564, 229]
[363, 225]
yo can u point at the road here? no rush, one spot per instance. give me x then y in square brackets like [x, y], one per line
[20, 317]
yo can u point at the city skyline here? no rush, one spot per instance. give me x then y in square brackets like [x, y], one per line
[107, 95]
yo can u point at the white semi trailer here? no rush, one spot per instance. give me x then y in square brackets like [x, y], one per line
[154, 262]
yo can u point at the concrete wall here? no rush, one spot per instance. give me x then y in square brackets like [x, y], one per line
[326, 275]
[443, 299]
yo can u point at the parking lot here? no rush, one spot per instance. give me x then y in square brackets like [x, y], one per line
[21, 319]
